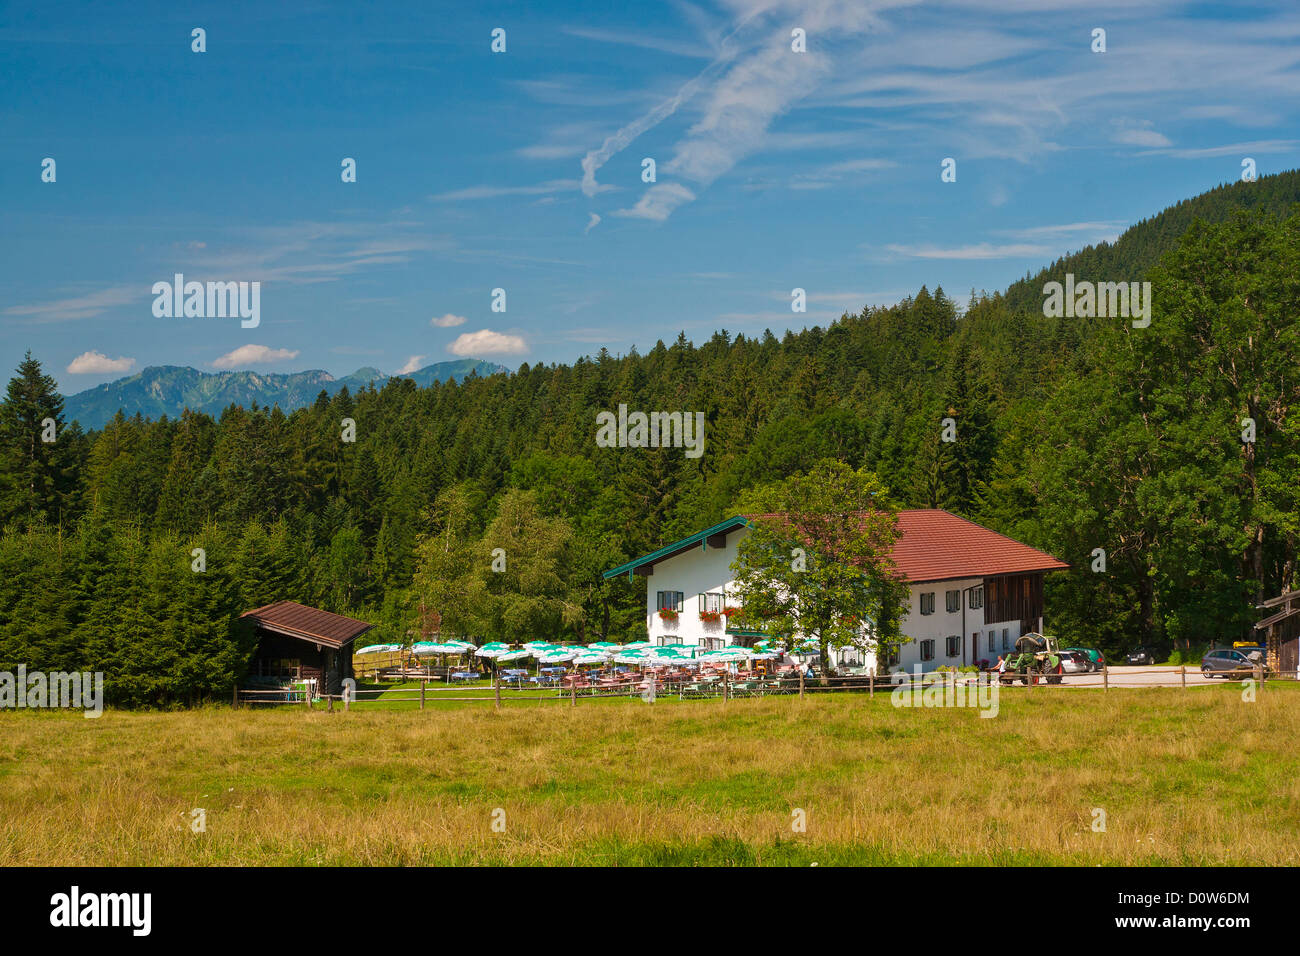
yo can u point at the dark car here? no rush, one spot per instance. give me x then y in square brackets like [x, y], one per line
[1146, 654]
[1096, 659]
[1231, 662]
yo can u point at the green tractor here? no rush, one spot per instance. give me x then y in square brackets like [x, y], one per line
[1036, 658]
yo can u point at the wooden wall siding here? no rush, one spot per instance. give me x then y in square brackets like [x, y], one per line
[1283, 644]
[1013, 597]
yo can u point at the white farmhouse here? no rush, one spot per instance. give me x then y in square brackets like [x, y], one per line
[973, 591]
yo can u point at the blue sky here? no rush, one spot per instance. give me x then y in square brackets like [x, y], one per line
[522, 170]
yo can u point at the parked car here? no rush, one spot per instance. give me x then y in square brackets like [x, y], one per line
[1096, 659]
[1075, 662]
[1147, 654]
[1230, 662]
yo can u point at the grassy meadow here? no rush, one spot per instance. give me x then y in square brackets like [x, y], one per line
[1191, 776]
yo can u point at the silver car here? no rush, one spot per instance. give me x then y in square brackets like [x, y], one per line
[1229, 662]
[1072, 662]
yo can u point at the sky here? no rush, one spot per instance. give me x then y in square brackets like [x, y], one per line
[524, 170]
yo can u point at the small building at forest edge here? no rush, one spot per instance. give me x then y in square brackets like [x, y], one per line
[296, 642]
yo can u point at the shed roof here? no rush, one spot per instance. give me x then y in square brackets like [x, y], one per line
[307, 623]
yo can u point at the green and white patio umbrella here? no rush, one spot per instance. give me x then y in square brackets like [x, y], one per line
[591, 657]
[604, 646]
[667, 655]
[423, 648]
[513, 656]
[380, 649]
[726, 655]
[493, 649]
[558, 655]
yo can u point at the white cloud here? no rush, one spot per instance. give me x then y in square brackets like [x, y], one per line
[413, 364]
[982, 250]
[253, 355]
[305, 253]
[487, 342]
[754, 78]
[658, 202]
[492, 192]
[448, 321]
[641, 40]
[83, 306]
[592, 223]
[1140, 134]
[1232, 149]
[89, 363]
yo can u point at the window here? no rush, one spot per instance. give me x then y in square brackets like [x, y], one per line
[927, 649]
[976, 598]
[893, 655]
[712, 603]
[927, 603]
[671, 600]
[954, 646]
[1006, 642]
[851, 657]
[952, 600]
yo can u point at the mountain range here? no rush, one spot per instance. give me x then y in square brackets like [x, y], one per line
[170, 389]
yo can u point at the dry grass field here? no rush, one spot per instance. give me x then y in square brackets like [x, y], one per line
[1184, 777]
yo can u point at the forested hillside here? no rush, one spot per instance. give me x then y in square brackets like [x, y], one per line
[1073, 435]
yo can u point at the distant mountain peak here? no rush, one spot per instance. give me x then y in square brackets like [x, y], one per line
[170, 389]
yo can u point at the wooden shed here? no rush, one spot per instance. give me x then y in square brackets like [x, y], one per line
[296, 642]
[1280, 633]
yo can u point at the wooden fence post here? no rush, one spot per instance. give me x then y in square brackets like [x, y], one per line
[347, 701]
[306, 694]
[1105, 677]
[329, 703]
[496, 686]
[725, 677]
[423, 685]
[573, 692]
[234, 702]
[873, 682]
[1182, 675]
[801, 685]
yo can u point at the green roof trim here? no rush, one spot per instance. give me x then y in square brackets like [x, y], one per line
[700, 538]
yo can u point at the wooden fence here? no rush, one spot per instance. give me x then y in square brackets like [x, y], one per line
[725, 686]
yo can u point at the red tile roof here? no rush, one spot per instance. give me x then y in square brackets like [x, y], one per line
[937, 545]
[934, 545]
[307, 623]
